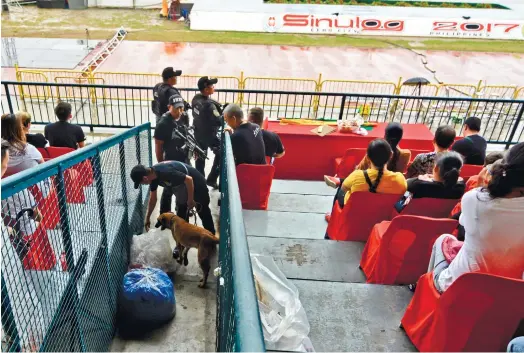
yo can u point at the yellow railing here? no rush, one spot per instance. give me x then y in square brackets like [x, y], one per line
[248, 83]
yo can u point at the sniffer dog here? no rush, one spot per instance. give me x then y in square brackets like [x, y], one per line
[189, 236]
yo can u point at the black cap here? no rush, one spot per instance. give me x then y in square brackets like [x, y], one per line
[206, 81]
[169, 72]
[137, 174]
[176, 101]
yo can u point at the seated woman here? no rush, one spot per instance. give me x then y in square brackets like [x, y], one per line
[443, 183]
[493, 221]
[37, 140]
[377, 178]
[400, 159]
[424, 162]
[22, 155]
[398, 163]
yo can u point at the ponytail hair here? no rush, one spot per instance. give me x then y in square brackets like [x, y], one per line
[393, 135]
[379, 153]
[508, 174]
[449, 165]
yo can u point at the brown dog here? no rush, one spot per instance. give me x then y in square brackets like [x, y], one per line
[189, 236]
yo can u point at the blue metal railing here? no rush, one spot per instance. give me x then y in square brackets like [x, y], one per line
[61, 279]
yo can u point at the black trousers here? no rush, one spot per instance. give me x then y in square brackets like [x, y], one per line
[203, 210]
[200, 164]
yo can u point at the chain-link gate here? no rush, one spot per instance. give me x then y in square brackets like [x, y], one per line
[66, 230]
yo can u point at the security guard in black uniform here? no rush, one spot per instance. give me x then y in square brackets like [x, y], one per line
[163, 91]
[206, 120]
[169, 141]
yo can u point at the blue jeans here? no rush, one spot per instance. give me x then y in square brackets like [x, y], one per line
[516, 344]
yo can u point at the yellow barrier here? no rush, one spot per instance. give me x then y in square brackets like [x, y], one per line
[457, 90]
[250, 83]
[304, 103]
[520, 93]
[497, 92]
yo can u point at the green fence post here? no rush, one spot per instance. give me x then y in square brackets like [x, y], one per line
[8, 321]
[99, 185]
[70, 259]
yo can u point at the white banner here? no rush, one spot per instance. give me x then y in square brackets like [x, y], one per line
[356, 25]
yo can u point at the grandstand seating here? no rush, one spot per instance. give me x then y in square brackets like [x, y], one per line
[354, 222]
[254, 183]
[48, 206]
[398, 252]
[428, 207]
[415, 153]
[84, 168]
[469, 170]
[347, 163]
[477, 313]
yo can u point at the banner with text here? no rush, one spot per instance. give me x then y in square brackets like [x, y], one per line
[356, 25]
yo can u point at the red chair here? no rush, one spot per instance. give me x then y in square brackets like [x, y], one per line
[84, 168]
[48, 206]
[415, 153]
[478, 313]
[428, 207]
[398, 252]
[469, 170]
[265, 123]
[346, 165]
[362, 211]
[254, 183]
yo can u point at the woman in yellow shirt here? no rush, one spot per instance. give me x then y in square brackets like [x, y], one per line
[377, 178]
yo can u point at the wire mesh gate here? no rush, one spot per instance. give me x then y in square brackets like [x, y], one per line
[66, 233]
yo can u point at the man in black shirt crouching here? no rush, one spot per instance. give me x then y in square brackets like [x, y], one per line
[246, 138]
[273, 144]
[185, 182]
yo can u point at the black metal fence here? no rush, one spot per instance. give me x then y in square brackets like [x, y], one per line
[127, 106]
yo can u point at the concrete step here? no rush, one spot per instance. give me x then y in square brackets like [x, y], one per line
[319, 260]
[285, 224]
[300, 203]
[350, 317]
[301, 187]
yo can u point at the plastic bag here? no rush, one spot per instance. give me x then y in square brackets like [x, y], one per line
[153, 249]
[284, 321]
[147, 300]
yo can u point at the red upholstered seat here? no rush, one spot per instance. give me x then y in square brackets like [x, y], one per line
[478, 313]
[428, 207]
[362, 211]
[346, 164]
[415, 153]
[48, 206]
[469, 170]
[398, 252]
[265, 124]
[254, 183]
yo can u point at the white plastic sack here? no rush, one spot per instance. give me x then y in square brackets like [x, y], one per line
[284, 320]
[153, 249]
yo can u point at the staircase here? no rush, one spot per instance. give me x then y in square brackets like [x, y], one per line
[104, 52]
[345, 313]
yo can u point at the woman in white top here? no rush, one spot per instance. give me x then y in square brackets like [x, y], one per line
[493, 219]
[22, 155]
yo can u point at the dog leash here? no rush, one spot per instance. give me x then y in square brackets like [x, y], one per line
[191, 213]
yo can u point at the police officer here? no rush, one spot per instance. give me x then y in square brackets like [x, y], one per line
[169, 142]
[163, 91]
[182, 180]
[206, 120]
